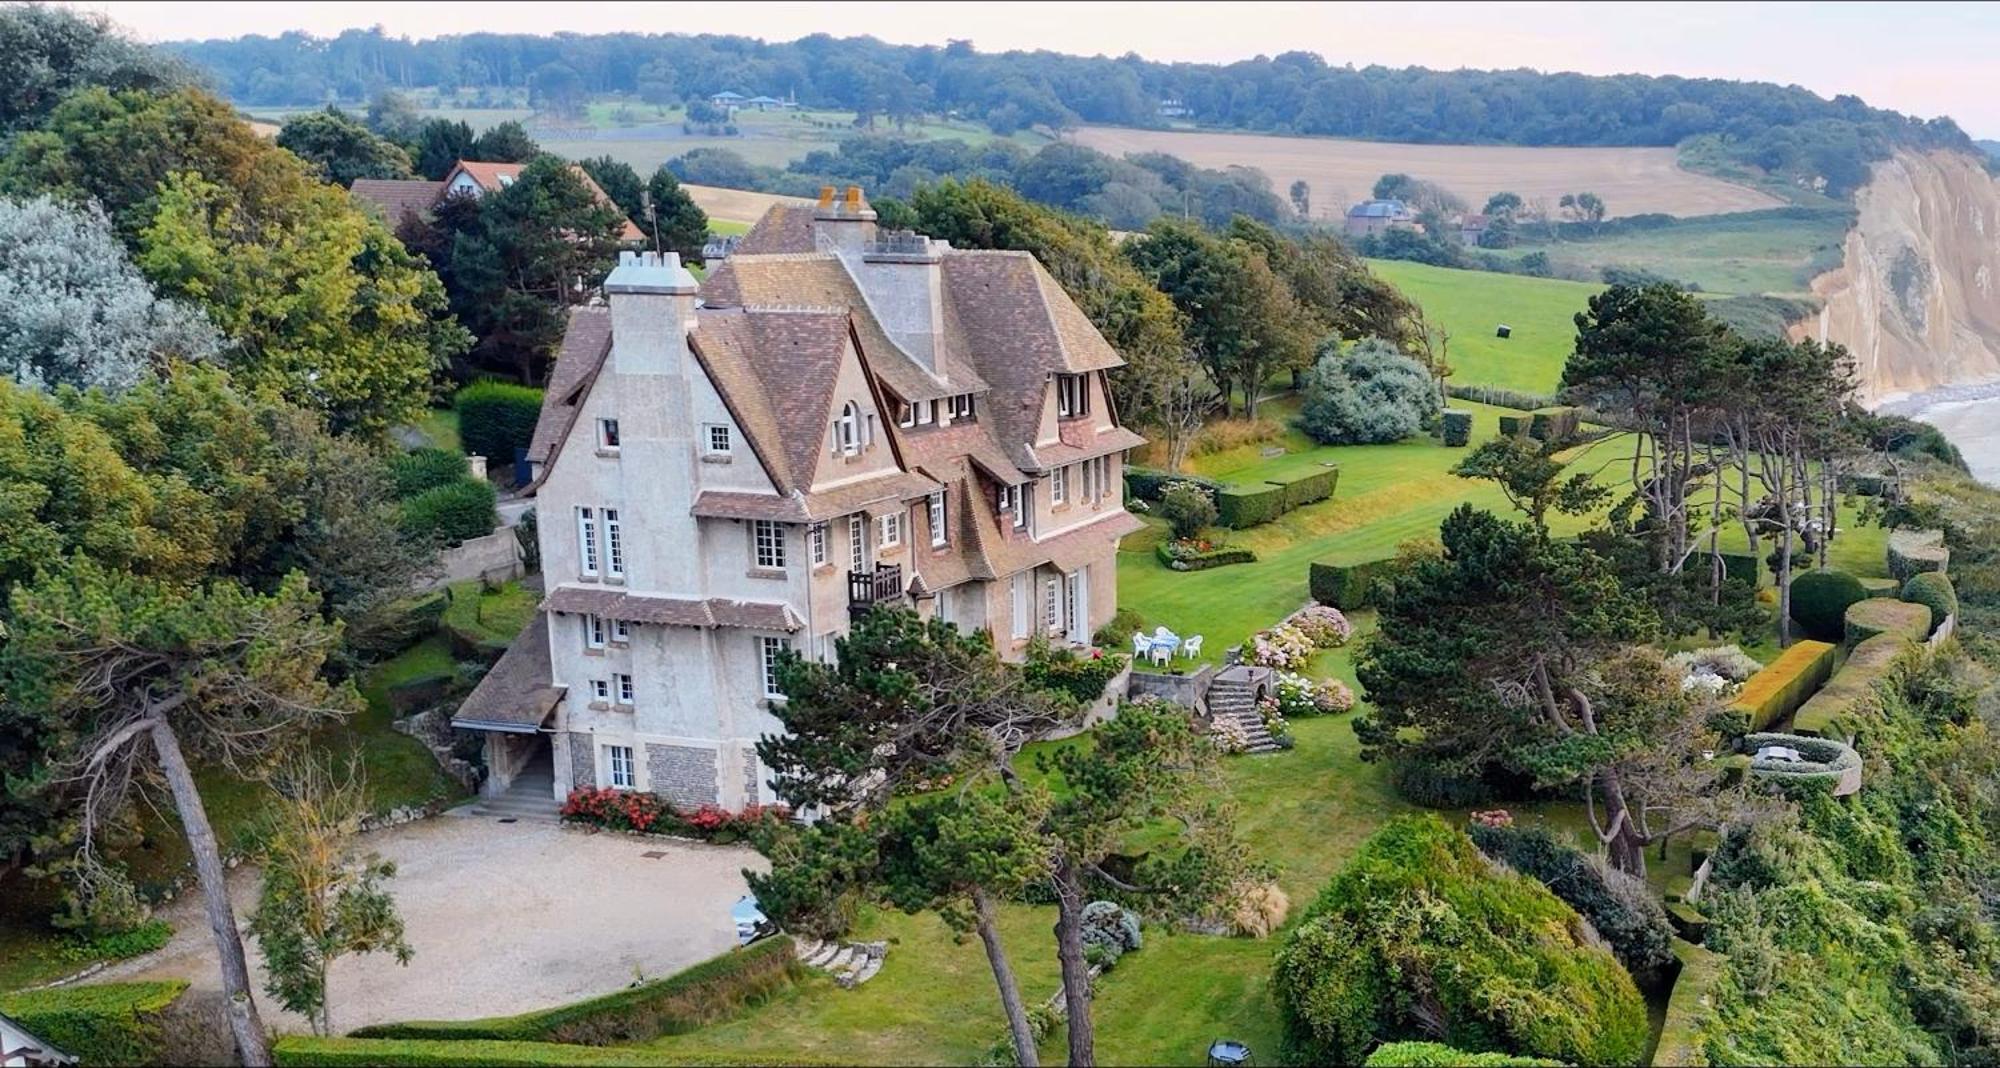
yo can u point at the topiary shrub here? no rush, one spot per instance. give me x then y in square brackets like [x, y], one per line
[1439, 1055]
[1243, 507]
[1309, 488]
[1187, 508]
[1779, 689]
[1457, 428]
[1145, 484]
[1825, 765]
[1112, 926]
[1556, 425]
[1852, 699]
[1913, 552]
[451, 513]
[1934, 591]
[1421, 937]
[1820, 600]
[1348, 587]
[1622, 908]
[1513, 426]
[1370, 395]
[415, 471]
[496, 418]
[1882, 615]
[109, 1023]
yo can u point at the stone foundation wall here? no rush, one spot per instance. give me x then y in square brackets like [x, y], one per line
[582, 760]
[683, 774]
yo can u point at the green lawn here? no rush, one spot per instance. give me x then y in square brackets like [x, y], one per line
[1741, 253]
[440, 427]
[1471, 304]
[494, 614]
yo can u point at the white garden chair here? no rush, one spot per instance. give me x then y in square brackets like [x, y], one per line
[1162, 653]
[1140, 645]
[1192, 647]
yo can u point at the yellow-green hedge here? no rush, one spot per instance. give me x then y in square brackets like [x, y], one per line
[1886, 615]
[1842, 708]
[1680, 1033]
[305, 1051]
[106, 1023]
[1783, 685]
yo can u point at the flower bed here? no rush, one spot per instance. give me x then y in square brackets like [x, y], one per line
[1200, 554]
[1290, 644]
[644, 813]
[1300, 696]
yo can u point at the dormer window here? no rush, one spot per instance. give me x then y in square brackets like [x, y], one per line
[1072, 395]
[847, 430]
[926, 412]
[960, 406]
[906, 415]
[1015, 499]
[717, 441]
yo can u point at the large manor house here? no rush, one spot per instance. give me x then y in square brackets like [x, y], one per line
[839, 417]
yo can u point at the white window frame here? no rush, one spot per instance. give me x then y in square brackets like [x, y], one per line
[586, 541]
[614, 545]
[1073, 596]
[1019, 596]
[625, 688]
[847, 431]
[1052, 605]
[767, 664]
[1024, 505]
[940, 533]
[960, 406]
[1059, 485]
[816, 544]
[892, 530]
[857, 543]
[906, 414]
[621, 631]
[593, 631]
[607, 435]
[1072, 395]
[767, 544]
[714, 433]
[621, 759]
[926, 412]
[600, 692]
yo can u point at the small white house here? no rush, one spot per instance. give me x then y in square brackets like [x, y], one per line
[20, 1049]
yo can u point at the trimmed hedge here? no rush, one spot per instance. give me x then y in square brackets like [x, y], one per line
[1913, 552]
[682, 1002]
[398, 625]
[1880, 615]
[1309, 488]
[1457, 428]
[1239, 507]
[1881, 587]
[1145, 483]
[1554, 424]
[452, 513]
[1934, 591]
[1783, 685]
[420, 469]
[109, 1023]
[1439, 1055]
[1842, 708]
[497, 418]
[1621, 908]
[1736, 567]
[305, 1051]
[1680, 1039]
[1820, 600]
[1223, 557]
[1347, 587]
[1828, 763]
[1513, 426]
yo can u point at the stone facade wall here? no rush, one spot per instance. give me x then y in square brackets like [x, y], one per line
[683, 774]
[582, 760]
[750, 786]
[493, 558]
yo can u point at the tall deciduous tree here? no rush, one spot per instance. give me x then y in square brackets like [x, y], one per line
[320, 900]
[135, 674]
[340, 149]
[47, 52]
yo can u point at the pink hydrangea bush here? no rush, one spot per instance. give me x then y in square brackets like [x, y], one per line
[1284, 647]
[1323, 625]
[1300, 696]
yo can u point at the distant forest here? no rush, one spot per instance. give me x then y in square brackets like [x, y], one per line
[1785, 131]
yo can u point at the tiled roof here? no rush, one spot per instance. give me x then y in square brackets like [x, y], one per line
[586, 343]
[672, 611]
[398, 197]
[1378, 209]
[784, 228]
[776, 370]
[888, 491]
[1078, 444]
[517, 694]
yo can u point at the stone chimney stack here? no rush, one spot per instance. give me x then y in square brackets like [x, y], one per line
[652, 301]
[843, 222]
[902, 275]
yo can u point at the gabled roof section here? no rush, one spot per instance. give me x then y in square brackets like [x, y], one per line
[398, 197]
[586, 342]
[517, 694]
[493, 177]
[784, 228]
[776, 370]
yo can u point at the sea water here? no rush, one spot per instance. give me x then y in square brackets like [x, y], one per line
[1969, 417]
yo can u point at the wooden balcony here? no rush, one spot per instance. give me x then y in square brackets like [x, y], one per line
[866, 589]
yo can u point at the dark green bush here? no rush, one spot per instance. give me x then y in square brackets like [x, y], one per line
[1124, 623]
[1314, 486]
[1820, 600]
[1426, 785]
[1063, 671]
[1912, 552]
[451, 513]
[496, 418]
[1347, 587]
[110, 1023]
[1621, 907]
[1242, 507]
[1187, 508]
[709, 991]
[1554, 424]
[1513, 426]
[396, 626]
[1457, 428]
[1146, 484]
[1420, 937]
[415, 471]
[1740, 567]
[1934, 591]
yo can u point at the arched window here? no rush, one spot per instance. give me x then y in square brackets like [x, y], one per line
[847, 430]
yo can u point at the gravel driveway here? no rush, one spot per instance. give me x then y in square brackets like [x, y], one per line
[503, 918]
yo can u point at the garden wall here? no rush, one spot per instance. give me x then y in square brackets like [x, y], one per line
[493, 558]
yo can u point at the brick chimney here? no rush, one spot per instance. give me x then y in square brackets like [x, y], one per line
[842, 221]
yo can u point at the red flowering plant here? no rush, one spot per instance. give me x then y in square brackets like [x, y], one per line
[631, 810]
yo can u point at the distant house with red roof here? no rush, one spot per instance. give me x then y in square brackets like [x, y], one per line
[406, 197]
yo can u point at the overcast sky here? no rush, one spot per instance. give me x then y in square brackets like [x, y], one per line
[1925, 59]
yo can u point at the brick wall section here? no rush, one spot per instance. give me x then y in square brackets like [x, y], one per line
[683, 774]
[582, 760]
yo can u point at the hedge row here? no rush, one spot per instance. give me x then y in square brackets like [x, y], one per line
[1828, 763]
[1881, 615]
[1513, 426]
[1439, 1055]
[109, 1023]
[417, 470]
[1457, 424]
[1783, 685]
[1842, 708]
[1347, 587]
[1200, 561]
[305, 1051]
[1680, 1043]
[451, 513]
[1239, 507]
[1913, 552]
[497, 418]
[1144, 483]
[679, 1003]
[1554, 424]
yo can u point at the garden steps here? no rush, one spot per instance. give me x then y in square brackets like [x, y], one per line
[1234, 699]
[850, 963]
[530, 797]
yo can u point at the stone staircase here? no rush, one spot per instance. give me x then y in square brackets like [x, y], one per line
[529, 798]
[1232, 696]
[850, 963]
